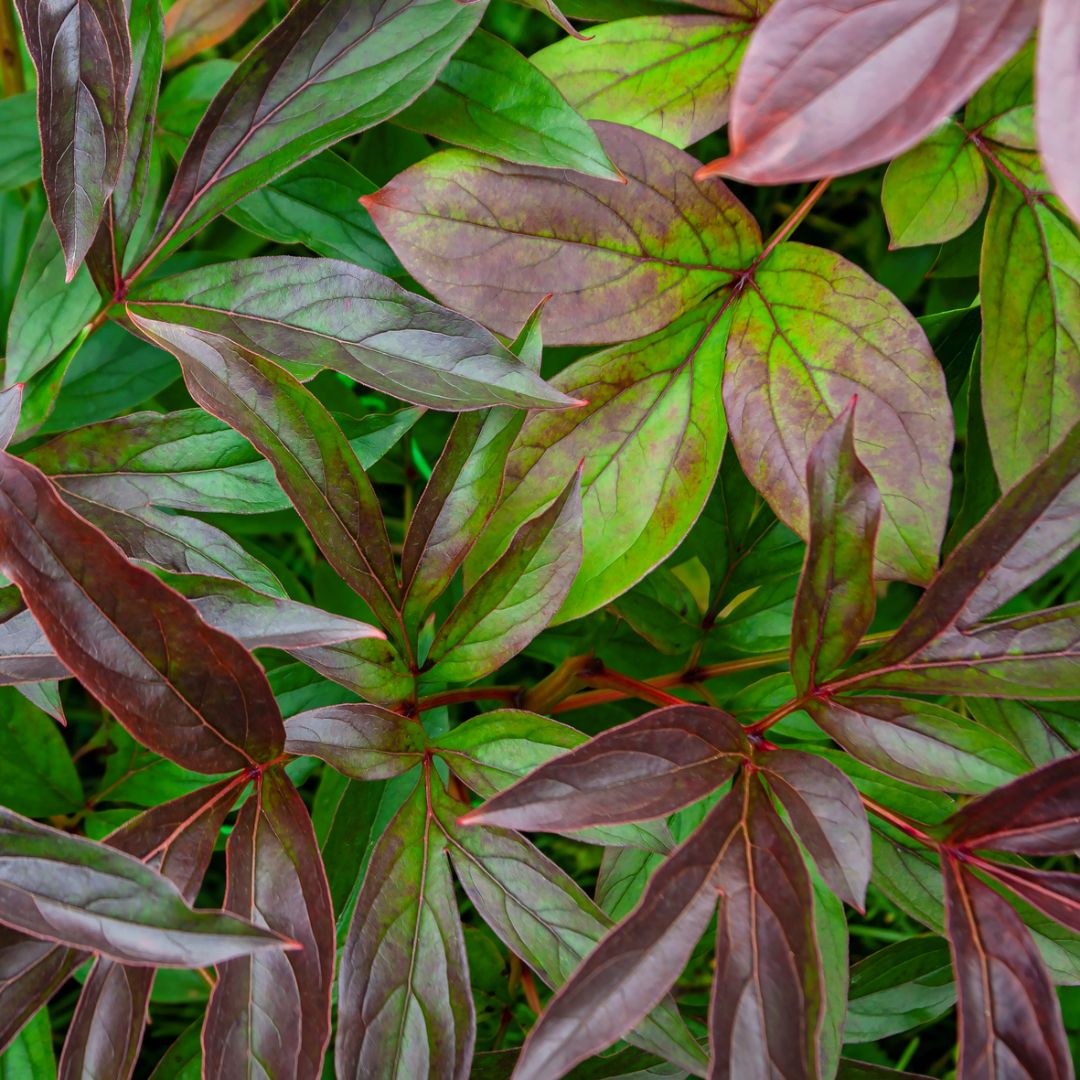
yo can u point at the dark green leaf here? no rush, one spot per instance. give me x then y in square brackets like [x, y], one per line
[20, 157]
[37, 777]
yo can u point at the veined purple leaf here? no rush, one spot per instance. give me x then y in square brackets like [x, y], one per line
[1010, 1019]
[82, 54]
[620, 260]
[828, 817]
[361, 741]
[31, 971]
[182, 688]
[835, 602]
[1053, 892]
[647, 768]
[25, 653]
[828, 88]
[809, 331]
[325, 313]
[274, 1007]
[330, 68]
[405, 1005]
[1058, 87]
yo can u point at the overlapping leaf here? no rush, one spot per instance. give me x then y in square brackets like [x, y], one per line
[362, 741]
[1058, 88]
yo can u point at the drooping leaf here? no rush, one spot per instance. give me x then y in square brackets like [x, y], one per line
[835, 602]
[326, 313]
[361, 741]
[668, 75]
[405, 1006]
[195, 25]
[82, 110]
[800, 112]
[652, 766]
[936, 190]
[1009, 1016]
[620, 260]
[327, 70]
[811, 330]
[274, 1007]
[490, 98]
[1058, 89]
[182, 688]
[86, 895]
[509, 604]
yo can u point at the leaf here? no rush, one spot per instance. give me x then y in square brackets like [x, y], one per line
[89, 896]
[316, 205]
[182, 688]
[810, 331]
[1052, 892]
[274, 1007]
[405, 1003]
[10, 404]
[330, 314]
[799, 113]
[48, 312]
[31, 971]
[651, 438]
[1057, 90]
[654, 765]
[31, 1056]
[37, 776]
[368, 666]
[20, 157]
[81, 110]
[490, 98]
[361, 741]
[25, 652]
[1030, 280]
[350, 65]
[311, 457]
[919, 742]
[620, 260]
[1009, 1015]
[193, 26]
[508, 605]
[827, 816]
[835, 602]
[667, 75]
[936, 190]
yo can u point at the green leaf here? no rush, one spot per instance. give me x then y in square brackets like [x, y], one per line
[30, 1056]
[37, 776]
[1030, 282]
[490, 98]
[184, 100]
[936, 190]
[20, 155]
[327, 70]
[668, 75]
[620, 260]
[810, 331]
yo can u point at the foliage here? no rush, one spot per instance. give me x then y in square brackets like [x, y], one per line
[385, 380]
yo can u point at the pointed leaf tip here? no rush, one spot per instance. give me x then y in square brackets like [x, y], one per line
[711, 169]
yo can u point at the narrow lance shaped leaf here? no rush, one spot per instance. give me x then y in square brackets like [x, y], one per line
[324, 313]
[1010, 1019]
[649, 767]
[348, 63]
[10, 404]
[311, 457]
[513, 601]
[182, 688]
[82, 54]
[829, 88]
[195, 25]
[835, 602]
[1057, 77]
[1053, 892]
[405, 1002]
[620, 260]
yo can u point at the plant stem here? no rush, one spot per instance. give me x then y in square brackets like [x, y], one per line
[794, 219]
[11, 70]
[613, 680]
[899, 821]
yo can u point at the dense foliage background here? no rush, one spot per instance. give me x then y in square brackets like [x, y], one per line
[463, 540]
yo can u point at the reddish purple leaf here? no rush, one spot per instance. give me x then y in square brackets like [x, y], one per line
[183, 689]
[1010, 1020]
[1052, 892]
[274, 1008]
[652, 766]
[25, 652]
[835, 602]
[1057, 85]
[832, 86]
[31, 971]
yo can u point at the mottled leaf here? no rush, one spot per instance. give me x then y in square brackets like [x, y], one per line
[1058, 87]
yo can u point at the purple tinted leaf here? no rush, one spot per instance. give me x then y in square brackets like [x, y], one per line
[835, 602]
[25, 652]
[182, 688]
[1010, 1020]
[195, 25]
[361, 741]
[82, 54]
[827, 816]
[1057, 91]
[10, 404]
[31, 971]
[274, 1007]
[367, 666]
[1052, 892]
[652, 766]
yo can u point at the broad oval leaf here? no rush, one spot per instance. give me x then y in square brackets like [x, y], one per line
[1058, 88]
[829, 88]
[325, 313]
[809, 331]
[181, 687]
[620, 260]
